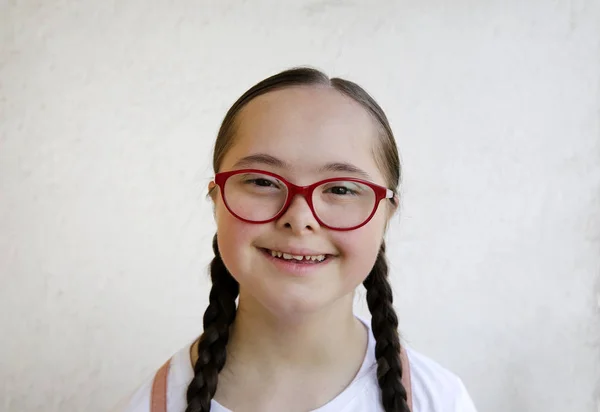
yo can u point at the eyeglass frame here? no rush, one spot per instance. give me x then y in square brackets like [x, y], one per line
[306, 192]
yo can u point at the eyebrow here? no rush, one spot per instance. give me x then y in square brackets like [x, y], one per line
[268, 160]
[345, 167]
[261, 158]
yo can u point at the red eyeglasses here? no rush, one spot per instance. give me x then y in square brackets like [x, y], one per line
[258, 196]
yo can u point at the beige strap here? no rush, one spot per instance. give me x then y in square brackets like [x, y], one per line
[406, 382]
[158, 397]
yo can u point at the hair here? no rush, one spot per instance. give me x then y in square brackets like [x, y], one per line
[221, 311]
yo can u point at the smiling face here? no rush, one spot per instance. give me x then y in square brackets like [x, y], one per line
[304, 134]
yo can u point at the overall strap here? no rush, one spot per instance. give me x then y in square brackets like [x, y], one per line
[406, 382]
[158, 396]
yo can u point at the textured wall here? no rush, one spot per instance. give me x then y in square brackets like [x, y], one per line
[108, 110]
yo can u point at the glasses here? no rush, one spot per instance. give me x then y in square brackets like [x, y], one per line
[257, 196]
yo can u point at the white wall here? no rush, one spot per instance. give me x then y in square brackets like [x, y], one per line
[108, 111]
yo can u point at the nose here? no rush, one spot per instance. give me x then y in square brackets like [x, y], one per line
[298, 218]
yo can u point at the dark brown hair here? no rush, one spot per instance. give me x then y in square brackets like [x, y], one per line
[221, 311]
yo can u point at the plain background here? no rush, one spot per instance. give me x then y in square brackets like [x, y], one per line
[108, 112]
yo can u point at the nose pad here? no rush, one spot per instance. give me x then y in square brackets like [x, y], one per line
[299, 217]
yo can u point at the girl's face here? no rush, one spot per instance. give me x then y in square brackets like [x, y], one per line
[296, 133]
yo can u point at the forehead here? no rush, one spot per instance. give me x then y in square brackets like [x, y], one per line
[306, 128]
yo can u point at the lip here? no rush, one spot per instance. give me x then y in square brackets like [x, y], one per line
[296, 269]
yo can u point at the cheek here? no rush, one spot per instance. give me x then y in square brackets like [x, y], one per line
[235, 241]
[359, 248]
[232, 236]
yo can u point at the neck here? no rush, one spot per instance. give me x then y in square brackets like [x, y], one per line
[305, 340]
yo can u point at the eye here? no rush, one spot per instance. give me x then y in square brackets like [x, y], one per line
[340, 190]
[261, 182]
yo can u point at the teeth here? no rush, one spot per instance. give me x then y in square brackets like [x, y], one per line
[287, 256]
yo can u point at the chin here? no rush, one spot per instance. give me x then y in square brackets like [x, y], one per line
[297, 307]
[291, 303]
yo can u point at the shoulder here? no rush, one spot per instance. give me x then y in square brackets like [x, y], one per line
[435, 388]
[179, 375]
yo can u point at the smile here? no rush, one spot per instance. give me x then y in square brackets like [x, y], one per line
[296, 258]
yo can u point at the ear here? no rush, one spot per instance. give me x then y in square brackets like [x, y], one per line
[393, 206]
[212, 191]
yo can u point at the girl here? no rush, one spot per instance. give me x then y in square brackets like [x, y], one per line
[306, 179]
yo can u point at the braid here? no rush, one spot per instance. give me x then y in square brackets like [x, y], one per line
[385, 329]
[218, 317]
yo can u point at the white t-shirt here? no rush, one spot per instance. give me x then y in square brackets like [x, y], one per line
[434, 389]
